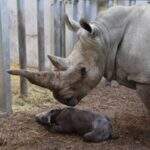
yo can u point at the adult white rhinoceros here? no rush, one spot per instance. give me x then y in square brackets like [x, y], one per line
[116, 45]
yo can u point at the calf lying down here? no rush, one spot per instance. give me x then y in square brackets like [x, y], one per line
[93, 127]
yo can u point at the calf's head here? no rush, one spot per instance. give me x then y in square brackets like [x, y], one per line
[73, 77]
[48, 118]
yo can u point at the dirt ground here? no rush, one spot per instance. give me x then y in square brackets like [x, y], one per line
[130, 121]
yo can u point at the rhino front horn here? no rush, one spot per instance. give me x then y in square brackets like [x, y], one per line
[43, 79]
[59, 63]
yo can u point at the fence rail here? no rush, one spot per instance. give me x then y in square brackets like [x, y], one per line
[58, 37]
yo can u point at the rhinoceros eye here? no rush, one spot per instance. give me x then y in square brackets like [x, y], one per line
[83, 71]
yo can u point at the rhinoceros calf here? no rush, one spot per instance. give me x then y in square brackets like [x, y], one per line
[93, 127]
[116, 45]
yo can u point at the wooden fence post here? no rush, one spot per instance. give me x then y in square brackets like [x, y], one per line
[62, 24]
[52, 32]
[69, 34]
[41, 41]
[75, 17]
[59, 28]
[5, 92]
[132, 2]
[22, 45]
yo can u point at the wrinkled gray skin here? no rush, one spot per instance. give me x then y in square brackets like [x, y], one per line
[93, 127]
[116, 45]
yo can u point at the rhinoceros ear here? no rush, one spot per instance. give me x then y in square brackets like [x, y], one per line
[71, 24]
[85, 25]
[59, 63]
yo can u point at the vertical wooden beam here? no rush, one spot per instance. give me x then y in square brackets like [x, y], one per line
[89, 12]
[5, 92]
[102, 5]
[22, 45]
[41, 41]
[94, 10]
[132, 2]
[110, 3]
[75, 17]
[75, 9]
[82, 8]
[120, 2]
[62, 24]
[69, 34]
[52, 40]
[57, 30]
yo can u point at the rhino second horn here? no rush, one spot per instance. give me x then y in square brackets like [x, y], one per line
[59, 63]
[43, 78]
[71, 24]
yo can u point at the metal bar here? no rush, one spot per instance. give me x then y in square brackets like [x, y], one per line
[22, 45]
[41, 40]
[5, 88]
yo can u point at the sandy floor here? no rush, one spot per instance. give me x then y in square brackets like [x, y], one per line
[130, 122]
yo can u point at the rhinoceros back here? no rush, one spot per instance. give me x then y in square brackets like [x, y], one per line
[133, 59]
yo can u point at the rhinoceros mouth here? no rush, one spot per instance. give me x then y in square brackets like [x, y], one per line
[69, 101]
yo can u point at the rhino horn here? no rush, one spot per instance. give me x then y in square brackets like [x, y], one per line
[59, 63]
[71, 24]
[43, 79]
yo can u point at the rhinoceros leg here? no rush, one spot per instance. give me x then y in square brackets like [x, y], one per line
[58, 128]
[96, 136]
[143, 91]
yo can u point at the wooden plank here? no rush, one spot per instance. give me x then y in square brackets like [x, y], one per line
[75, 17]
[102, 5]
[81, 8]
[62, 27]
[22, 45]
[41, 41]
[5, 88]
[57, 30]
[132, 2]
[69, 34]
[52, 46]
[88, 11]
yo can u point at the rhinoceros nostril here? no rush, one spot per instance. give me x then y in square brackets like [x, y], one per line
[72, 101]
[69, 99]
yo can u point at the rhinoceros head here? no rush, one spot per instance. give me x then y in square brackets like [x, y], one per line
[74, 76]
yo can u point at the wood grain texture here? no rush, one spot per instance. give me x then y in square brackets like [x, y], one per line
[22, 45]
[5, 92]
[41, 36]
